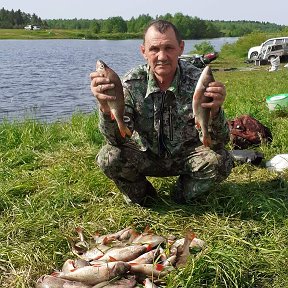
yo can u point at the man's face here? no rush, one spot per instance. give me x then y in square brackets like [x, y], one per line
[161, 52]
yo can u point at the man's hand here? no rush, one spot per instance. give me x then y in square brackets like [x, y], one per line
[98, 85]
[217, 92]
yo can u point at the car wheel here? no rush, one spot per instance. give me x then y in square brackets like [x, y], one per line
[253, 55]
[271, 58]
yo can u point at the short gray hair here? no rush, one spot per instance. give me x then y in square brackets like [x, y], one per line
[162, 26]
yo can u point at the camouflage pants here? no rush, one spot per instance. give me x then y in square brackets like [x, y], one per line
[198, 170]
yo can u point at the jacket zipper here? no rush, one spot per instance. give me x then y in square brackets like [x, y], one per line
[170, 124]
[161, 143]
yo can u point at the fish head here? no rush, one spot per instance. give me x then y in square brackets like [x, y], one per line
[100, 65]
[207, 76]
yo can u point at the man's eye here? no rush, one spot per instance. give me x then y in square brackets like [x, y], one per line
[154, 49]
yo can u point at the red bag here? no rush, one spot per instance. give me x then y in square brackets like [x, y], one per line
[246, 131]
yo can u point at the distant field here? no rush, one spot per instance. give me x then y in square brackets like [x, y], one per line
[61, 34]
[41, 34]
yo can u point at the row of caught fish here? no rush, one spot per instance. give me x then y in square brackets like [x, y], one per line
[122, 259]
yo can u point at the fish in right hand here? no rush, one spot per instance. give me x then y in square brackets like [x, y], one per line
[116, 106]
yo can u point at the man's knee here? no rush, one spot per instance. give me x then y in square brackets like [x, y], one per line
[225, 164]
[108, 158]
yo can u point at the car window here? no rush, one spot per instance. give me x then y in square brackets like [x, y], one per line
[269, 42]
[279, 41]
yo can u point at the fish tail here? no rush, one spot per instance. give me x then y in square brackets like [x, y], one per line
[56, 274]
[124, 130]
[207, 141]
[191, 235]
[149, 247]
[112, 116]
[112, 259]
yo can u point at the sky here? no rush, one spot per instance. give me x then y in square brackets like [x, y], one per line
[251, 10]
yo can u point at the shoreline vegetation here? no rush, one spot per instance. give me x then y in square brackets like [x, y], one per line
[22, 34]
[50, 184]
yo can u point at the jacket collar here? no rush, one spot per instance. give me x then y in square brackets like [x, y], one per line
[152, 86]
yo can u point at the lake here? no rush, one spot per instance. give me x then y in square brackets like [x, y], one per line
[48, 80]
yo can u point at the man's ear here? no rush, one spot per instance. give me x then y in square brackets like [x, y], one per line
[142, 49]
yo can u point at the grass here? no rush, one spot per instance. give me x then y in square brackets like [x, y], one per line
[62, 34]
[49, 184]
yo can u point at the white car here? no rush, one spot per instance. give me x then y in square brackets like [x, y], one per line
[32, 27]
[280, 42]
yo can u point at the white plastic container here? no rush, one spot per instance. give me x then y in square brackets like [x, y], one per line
[278, 163]
[275, 102]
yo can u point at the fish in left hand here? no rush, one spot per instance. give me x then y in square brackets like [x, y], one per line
[201, 114]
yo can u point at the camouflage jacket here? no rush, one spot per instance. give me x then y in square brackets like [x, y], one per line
[162, 121]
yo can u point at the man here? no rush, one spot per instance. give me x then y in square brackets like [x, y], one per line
[158, 109]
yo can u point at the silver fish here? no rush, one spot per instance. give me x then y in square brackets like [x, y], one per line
[202, 115]
[91, 275]
[121, 283]
[116, 107]
[70, 264]
[148, 257]
[151, 270]
[124, 253]
[149, 284]
[49, 281]
[183, 250]
[108, 238]
[152, 239]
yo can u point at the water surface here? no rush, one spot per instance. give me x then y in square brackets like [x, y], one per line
[49, 79]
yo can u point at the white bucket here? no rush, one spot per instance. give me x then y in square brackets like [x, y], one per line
[275, 102]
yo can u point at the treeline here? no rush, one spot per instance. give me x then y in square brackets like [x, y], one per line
[190, 27]
[243, 27]
[18, 19]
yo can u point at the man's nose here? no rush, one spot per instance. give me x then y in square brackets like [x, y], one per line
[162, 55]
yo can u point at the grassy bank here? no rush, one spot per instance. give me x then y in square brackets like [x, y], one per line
[62, 34]
[49, 184]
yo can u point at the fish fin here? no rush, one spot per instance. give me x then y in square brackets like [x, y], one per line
[112, 116]
[105, 241]
[125, 131]
[149, 247]
[148, 230]
[133, 263]
[207, 141]
[79, 229]
[73, 270]
[134, 234]
[159, 267]
[112, 259]
[191, 235]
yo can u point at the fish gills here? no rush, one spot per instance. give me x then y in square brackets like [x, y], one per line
[201, 114]
[117, 106]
